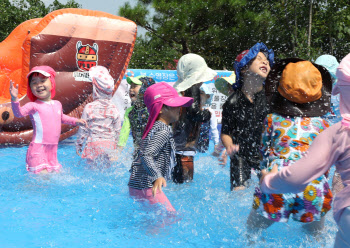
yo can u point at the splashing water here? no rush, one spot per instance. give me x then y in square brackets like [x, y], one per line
[81, 207]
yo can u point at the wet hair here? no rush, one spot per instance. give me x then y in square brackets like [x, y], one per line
[35, 74]
[166, 106]
[246, 67]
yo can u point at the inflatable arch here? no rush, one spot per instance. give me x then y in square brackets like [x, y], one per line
[71, 41]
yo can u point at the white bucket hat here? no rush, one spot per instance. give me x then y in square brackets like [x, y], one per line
[192, 69]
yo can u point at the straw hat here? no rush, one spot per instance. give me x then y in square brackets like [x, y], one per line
[192, 69]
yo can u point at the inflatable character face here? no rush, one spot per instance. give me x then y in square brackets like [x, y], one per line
[86, 56]
[71, 41]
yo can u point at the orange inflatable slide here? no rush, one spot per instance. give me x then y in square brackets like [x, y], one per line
[71, 41]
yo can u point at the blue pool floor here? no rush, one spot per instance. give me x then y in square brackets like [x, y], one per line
[84, 207]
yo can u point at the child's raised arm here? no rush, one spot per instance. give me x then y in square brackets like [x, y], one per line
[19, 111]
[13, 92]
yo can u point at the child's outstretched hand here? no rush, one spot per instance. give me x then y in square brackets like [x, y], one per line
[13, 92]
[79, 152]
[223, 158]
[232, 149]
[81, 122]
[158, 185]
[264, 173]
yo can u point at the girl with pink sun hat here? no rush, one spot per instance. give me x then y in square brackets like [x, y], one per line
[46, 116]
[157, 152]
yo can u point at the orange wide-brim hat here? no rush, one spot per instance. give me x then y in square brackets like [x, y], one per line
[296, 87]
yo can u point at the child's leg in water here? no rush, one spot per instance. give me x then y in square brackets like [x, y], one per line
[256, 222]
[44, 171]
[314, 228]
[342, 239]
[146, 194]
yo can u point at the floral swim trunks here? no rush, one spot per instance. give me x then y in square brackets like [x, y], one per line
[307, 206]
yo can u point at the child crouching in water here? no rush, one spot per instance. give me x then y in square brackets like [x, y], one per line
[46, 116]
[157, 150]
[98, 142]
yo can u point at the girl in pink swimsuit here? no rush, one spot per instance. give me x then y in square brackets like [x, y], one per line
[46, 116]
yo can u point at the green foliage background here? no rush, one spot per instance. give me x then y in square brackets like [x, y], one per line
[15, 12]
[218, 30]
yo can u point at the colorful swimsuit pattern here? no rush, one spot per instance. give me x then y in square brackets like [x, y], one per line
[136, 117]
[284, 141]
[135, 120]
[101, 138]
[203, 139]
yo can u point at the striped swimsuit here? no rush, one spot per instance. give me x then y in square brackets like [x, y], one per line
[155, 159]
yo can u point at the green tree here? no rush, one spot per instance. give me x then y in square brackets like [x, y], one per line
[218, 30]
[289, 32]
[152, 54]
[180, 27]
[15, 12]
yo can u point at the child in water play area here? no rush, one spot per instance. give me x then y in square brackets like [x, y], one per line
[46, 116]
[244, 112]
[299, 93]
[157, 152]
[135, 117]
[330, 147]
[192, 71]
[98, 142]
[208, 126]
[224, 86]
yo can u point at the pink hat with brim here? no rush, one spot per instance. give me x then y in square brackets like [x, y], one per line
[158, 95]
[46, 71]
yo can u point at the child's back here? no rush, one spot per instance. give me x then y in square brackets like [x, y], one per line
[288, 132]
[103, 120]
[284, 141]
[102, 116]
